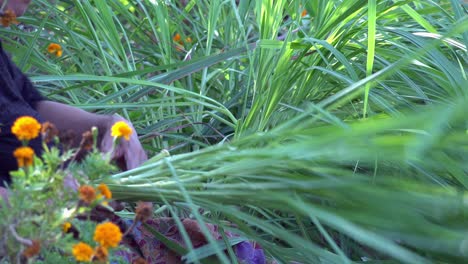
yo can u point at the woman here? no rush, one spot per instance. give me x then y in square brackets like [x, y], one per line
[18, 97]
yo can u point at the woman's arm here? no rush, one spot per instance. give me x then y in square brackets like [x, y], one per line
[128, 154]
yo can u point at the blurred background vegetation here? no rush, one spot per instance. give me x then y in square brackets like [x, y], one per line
[326, 131]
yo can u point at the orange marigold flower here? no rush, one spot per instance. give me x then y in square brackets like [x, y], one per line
[143, 211]
[121, 129]
[87, 194]
[48, 132]
[66, 226]
[55, 49]
[24, 156]
[176, 37]
[82, 252]
[8, 17]
[107, 234]
[32, 250]
[304, 13]
[87, 141]
[101, 254]
[26, 128]
[105, 191]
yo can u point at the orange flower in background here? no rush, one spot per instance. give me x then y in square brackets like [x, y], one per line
[176, 37]
[24, 156]
[8, 18]
[304, 13]
[33, 249]
[107, 234]
[82, 252]
[26, 128]
[104, 190]
[55, 49]
[121, 129]
[87, 194]
[48, 132]
[143, 211]
[101, 254]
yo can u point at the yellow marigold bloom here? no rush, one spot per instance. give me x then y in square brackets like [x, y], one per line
[121, 129]
[83, 252]
[87, 194]
[24, 156]
[8, 17]
[188, 39]
[26, 128]
[107, 234]
[105, 191]
[66, 226]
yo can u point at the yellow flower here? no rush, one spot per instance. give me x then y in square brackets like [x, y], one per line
[107, 234]
[26, 128]
[66, 226]
[121, 129]
[55, 48]
[83, 252]
[87, 194]
[24, 156]
[105, 191]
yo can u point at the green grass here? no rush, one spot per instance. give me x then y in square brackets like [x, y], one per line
[329, 138]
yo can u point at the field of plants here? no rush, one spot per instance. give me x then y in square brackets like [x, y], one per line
[325, 131]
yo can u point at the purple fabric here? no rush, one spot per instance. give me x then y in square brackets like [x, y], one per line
[249, 253]
[144, 244]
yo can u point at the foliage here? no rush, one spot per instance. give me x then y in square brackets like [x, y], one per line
[335, 137]
[40, 218]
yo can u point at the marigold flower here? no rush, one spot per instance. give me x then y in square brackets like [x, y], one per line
[176, 37]
[188, 39]
[121, 129]
[101, 254]
[87, 141]
[105, 191]
[48, 132]
[66, 226]
[87, 194]
[55, 49]
[143, 211]
[8, 17]
[82, 252]
[107, 234]
[26, 128]
[24, 156]
[32, 250]
[304, 13]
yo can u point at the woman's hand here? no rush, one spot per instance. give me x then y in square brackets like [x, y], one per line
[127, 154]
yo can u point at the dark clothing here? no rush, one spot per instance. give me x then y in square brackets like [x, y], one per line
[18, 97]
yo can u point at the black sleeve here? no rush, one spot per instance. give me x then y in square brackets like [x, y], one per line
[18, 97]
[19, 81]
